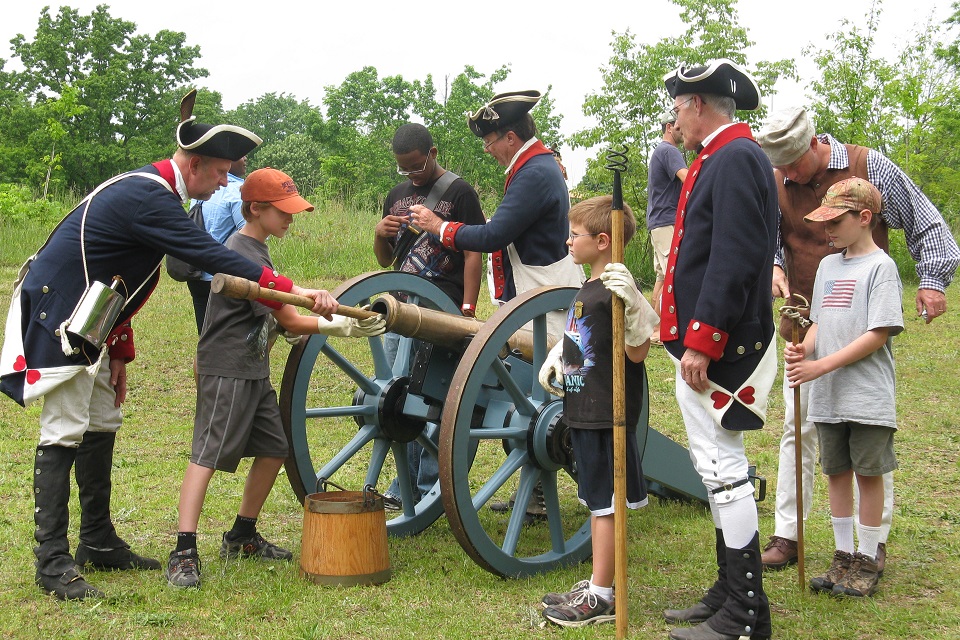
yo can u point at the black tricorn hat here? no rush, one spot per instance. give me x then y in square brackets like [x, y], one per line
[504, 108]
[721, 78]
[225, 141]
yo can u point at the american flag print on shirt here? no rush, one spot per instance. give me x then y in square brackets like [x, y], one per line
[838, 294]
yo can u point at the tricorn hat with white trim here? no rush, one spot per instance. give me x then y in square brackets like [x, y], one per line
[225, 141]
[503, 109]
[721, 78]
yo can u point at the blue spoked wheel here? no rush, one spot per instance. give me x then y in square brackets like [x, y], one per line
[497, 416]
[348, 414]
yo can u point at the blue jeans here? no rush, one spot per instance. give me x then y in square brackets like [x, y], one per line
[424, 467]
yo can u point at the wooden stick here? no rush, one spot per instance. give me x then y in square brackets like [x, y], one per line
[619, 421]
[798, 463]
[236, 287]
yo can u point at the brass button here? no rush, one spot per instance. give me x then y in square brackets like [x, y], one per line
[45, 289]
[672, 269]
[680, 233]
[696, 326]
[57, 333]
[673, 309]
[669, 288]
[76, 350]
[741, 350]
[43, 315]
[123, 337]
[673, 331]
[271, 285]
[759, 346]
[716, 337]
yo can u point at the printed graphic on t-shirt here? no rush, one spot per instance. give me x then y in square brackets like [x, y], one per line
[578, 361]
[427, 258]
[838, 294]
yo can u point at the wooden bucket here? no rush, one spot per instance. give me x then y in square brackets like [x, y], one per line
[344, 539]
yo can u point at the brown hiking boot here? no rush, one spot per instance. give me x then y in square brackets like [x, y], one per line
[779, 553]
[881, 557]
[838, 568]
[860, 580]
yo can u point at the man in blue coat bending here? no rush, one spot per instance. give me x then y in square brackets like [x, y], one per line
[60, 348]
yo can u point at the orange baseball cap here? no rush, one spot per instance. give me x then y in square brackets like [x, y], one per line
[276, 187]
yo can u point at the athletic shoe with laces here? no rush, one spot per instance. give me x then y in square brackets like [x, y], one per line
[554, 599]
[253, 547]
[183, 569]
[586, 608]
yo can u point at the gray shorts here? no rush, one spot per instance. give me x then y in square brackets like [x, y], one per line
[236, 419]
[867, 449]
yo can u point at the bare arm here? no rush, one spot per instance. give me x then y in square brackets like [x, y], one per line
[472, 267]
[801, 370]
[387, 228]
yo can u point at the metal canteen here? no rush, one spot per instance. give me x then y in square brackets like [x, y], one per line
[96, 312]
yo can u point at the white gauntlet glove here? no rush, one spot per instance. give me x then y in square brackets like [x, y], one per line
[345, 327]
[551, 373]
[639, 318]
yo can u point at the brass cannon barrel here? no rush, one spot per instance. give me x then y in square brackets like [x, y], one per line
[440, 328]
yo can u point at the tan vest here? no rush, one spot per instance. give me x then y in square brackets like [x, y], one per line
[805, 243]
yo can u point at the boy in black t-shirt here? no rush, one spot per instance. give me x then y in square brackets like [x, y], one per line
[583, 364]
[457, 273]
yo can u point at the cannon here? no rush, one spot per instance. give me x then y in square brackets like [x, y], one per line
[467, 391]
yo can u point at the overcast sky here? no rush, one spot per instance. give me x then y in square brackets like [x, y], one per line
[298, 48]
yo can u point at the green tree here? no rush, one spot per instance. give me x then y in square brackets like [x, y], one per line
[628, 106]
[128, 86]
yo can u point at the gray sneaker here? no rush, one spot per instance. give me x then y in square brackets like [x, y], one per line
[183, 569]
[555, 599]
[585, 609]
[253, 547]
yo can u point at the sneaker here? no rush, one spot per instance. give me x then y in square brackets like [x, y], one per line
[779, 553]
[253, 547]
[585, 609]
[555, 599]
[861, 580]
[392, 502]
[183, 569]
[838, 568]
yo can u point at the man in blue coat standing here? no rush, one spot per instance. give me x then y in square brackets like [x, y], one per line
[118, 234]
[717, 325]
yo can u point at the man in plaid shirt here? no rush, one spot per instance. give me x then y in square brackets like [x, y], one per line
[806, 165]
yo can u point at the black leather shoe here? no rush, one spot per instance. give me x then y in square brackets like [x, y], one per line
[69, 586]
[695, 614]
[122, 559]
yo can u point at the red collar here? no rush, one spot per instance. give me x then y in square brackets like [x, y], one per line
[536, 149]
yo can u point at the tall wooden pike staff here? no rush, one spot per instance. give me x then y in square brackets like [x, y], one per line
[617, 162]
[793, 312]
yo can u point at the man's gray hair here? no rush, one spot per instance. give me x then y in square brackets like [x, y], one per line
[723, 105]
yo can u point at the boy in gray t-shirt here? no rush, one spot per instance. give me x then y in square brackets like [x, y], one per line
[237, 411]
[856, 311]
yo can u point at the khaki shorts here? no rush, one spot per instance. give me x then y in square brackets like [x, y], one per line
[660, 240]
[867, 449]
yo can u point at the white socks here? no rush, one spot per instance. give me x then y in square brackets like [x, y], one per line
[843, 533]
[869, 538]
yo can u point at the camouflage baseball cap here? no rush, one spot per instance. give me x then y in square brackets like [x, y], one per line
[852, 194]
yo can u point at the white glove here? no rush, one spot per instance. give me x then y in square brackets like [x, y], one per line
[293, 339]
[551, 373]
[345, 327]
[639, 318]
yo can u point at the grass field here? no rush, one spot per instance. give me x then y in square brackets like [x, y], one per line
[436, 590]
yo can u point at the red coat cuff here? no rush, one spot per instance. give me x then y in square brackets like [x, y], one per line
[449, 233]
[271, 279]
[706, 339]
[121, 343]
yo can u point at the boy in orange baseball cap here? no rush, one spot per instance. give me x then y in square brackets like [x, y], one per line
[237, 411]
